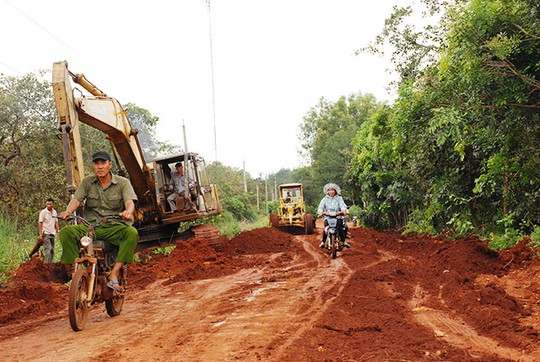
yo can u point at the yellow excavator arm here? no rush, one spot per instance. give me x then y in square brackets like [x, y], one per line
[107, 115]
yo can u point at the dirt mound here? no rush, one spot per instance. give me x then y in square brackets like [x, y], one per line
[522, 254]
[402, 297]
[36, 270]
[195, 259]
[39, 288]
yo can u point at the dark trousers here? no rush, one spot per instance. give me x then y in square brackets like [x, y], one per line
[48, 248]
[341, 229]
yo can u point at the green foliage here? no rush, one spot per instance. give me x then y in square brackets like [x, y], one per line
[15, 244]
[273, 206]
[326, 134]
[227, 224]
[460, 224]
[507, 239]
[421, 222]
[355, 210]
[260, 222]
[165, 250]
[458, 150]
[535, 235]
[535, 239]
[230, 183]
[145, 124]
[238, 205]
[414, 44]
[30, 154]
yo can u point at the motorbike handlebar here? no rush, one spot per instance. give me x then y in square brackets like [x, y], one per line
[332, 214]
[101, 221]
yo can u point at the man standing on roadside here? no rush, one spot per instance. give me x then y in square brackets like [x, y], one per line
[47, 230]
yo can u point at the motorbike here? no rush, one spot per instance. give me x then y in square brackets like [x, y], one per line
[90, 275]
[333, 243]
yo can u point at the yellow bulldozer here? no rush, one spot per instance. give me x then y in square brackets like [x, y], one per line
[292, 209]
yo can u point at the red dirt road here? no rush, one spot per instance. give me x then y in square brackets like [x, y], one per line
[273, 296]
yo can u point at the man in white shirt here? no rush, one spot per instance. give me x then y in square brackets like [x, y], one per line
[48, 228]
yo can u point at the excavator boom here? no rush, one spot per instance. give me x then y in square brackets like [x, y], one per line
[103, 113]
[160, 209]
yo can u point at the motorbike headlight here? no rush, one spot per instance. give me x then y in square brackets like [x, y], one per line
[86, 240]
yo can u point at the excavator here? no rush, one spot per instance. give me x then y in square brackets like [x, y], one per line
[156, 222]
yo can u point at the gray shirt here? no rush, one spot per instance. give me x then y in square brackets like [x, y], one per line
[179, 182]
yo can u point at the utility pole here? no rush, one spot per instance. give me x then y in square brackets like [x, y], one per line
[245, 182]
[258, 201]
[266, 191]
[213, 86]
[276, 196]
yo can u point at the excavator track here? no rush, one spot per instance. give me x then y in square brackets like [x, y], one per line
[210, 233]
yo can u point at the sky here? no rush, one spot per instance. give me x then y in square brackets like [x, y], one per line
[239, 75]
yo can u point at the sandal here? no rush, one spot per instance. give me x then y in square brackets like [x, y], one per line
[113, 284]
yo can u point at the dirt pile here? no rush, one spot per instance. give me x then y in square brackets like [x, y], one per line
[460, 291]
[389, 297]
[195, 259]
[38, 288]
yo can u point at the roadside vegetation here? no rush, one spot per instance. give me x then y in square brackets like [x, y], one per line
[456, 153]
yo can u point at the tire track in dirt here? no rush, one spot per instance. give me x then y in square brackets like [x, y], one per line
[458, 333]
[254, 313]
[452, 329]
[335, 274]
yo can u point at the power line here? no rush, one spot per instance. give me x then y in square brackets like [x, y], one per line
[13, 69]
[45, 30]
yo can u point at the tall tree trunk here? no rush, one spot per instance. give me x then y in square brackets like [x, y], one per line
[506, 188]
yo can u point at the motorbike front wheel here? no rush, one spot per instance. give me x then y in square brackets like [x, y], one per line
[334, 244]
[79, 304]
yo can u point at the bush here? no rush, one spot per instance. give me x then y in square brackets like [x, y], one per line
[227, 224]
[535, 238]
[506, 240]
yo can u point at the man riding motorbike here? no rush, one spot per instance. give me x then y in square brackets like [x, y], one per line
[105, 194]
[333, 202]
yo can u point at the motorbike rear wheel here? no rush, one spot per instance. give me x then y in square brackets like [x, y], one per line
[115, 304]
[78, 303]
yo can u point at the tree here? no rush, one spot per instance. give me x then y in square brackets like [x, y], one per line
[230, 185]
[31, 160]
[466, 124]
[145, 124]
[30, 156]
[326, 134]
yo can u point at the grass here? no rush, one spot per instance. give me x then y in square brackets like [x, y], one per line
[16, 242]
[261, 222]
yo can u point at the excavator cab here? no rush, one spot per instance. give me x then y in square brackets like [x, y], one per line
[200, 197]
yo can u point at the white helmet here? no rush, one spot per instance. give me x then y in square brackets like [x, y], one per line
[331, 186]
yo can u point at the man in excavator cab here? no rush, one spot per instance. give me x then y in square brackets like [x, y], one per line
[178, 188]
